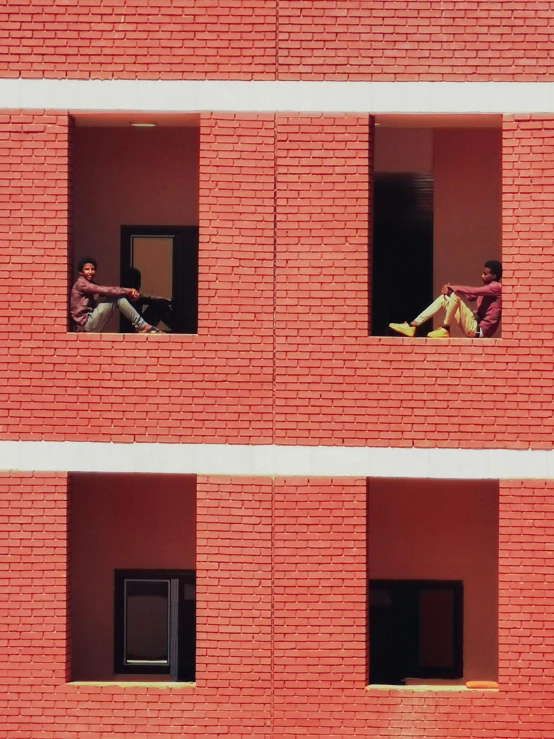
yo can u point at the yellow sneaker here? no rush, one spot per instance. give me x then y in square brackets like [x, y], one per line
[439, 333]
[403, 328]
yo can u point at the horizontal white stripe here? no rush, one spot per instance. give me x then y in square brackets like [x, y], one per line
[188, 96]
[266, 460]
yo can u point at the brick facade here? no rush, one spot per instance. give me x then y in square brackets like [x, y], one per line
[281, 622]
[284, 240]
[295, 39]
[283, 356]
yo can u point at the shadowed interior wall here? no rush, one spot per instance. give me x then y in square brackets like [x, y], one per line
[438, 530]
[403, 150]
[121, 522]
[128, 176]
[467, 223]
[467, 169]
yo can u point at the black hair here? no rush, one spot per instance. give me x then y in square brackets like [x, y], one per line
[132, 277]
[495, 267]
[86, 260]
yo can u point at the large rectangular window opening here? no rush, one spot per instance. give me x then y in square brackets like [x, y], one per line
[135, 211]
[132, 575]
[436, 212]
[433, 581]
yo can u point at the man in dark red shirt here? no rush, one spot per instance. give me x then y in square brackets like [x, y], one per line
[88, 315]
[481, 323]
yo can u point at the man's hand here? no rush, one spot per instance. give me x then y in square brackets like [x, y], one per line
[446, 289]
[133, 294]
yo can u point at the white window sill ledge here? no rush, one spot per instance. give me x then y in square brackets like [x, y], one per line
[131, 684]
[433, 688]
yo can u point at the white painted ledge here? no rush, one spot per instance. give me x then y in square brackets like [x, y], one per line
[189, 96]
[267, 460]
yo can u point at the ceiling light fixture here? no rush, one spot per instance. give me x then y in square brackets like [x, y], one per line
[143, 125]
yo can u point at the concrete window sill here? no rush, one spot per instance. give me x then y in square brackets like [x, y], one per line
[131, 684]
[434, 688]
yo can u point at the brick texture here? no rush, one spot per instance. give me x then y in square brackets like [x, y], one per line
[283, 352]
[526, 569]
[528, 250]
[160, 39]
[322, 180]
[33, 545]
[282, 621]
[426, 41]
[234, 598]
[334, 384]
[289, 39]
[214, 386]
[320, 588]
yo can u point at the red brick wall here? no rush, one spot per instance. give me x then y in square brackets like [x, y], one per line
[263, 39]
[335, 385]
[282, 351]
[33, 225]
[234, 564]
[528, 220]
[215, 386]
[320, 581]
[526, 568]
[33, 553]
[322, 181]
[172, 39]
[281, 587]
[418, 40]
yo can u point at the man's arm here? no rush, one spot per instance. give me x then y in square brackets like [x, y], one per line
[90, 288]
[471, 293]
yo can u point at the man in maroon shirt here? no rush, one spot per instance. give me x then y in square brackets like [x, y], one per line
[481, 323]
[88, 315]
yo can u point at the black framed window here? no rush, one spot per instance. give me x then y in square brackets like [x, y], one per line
[415, 630]
[155, 623]
[161, 262]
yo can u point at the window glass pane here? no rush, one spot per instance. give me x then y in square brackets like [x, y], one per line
[436, 628]
[153, 256]
[147, 622]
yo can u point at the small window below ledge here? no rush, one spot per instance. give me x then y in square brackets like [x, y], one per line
[154, 629]
[416, 632]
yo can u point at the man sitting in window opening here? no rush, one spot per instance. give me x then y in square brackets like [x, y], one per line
[91, 316]
[153, 308]
[481, 323]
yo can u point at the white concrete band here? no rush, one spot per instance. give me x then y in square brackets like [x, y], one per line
[270, 460]
[189, 96]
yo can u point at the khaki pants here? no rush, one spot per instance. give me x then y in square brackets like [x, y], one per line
[455, 310]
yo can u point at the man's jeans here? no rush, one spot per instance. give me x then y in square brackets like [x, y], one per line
[104, 311]
[455, 310]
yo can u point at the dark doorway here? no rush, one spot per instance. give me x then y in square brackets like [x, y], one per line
[165, 261]
[402, 284]
[155, 623]
[416, 630]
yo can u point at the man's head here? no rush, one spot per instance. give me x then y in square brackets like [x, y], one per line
[492, 271]
[87, 267]
[132, 278]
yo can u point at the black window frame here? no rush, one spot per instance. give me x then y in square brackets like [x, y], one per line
[182, 625]
[185, 271]
[407, 594]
